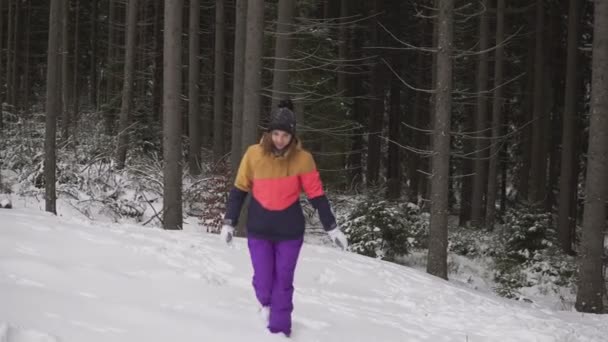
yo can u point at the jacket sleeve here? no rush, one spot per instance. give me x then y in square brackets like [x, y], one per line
[313, 187]
[242, 186]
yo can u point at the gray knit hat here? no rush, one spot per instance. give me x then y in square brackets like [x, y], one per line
[283, 118]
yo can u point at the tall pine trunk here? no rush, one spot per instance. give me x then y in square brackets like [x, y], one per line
[65, 59]
[496, 116]
[26, 59]
[109, 93]
[9, 46]
[438, 230]
[480, 166]
[343, 38]
[238, 80]
[591, 286]
[2, 72]
[568, 177]
[280, 81]
[538, 166]
[94, 50]
[127, 88]
[376, 118]
[157, 78]
[253, 72]
[219, 81]
[172, 115]
[53, 104]
[194, 68]
[393, 167]
[75, 78]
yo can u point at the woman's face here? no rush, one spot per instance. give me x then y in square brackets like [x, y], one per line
[280, 139]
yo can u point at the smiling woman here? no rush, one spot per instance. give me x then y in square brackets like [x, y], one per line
[275, 172]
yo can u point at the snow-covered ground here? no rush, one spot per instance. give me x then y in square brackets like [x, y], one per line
[67, 279]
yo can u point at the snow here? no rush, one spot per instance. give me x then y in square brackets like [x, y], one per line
[69, 279]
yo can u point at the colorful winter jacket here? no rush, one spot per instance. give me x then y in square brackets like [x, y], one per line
[275, 184]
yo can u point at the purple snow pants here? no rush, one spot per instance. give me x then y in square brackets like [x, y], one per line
[274, 265]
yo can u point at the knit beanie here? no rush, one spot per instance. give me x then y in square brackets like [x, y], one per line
[283, 118]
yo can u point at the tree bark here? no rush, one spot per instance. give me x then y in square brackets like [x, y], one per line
[568, 177]
[496, 116]
[109, 98]
[538, 159]
[53, 104]
[393, 167]
[9, 46]
[2, 72]
[75, 82]
[172, 115]
[219, 81]
[480, 179]
[127, 88]
[28, 43]
[591, 286]
[280, 81]
[65, 84]
[253, 72]
[157, 83]
[376, 119]
[438, 230]
[343, 40]
[194, 67]
[14, 56]
[94, 46]
[238, 83]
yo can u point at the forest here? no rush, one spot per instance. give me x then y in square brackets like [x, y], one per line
[471, 128]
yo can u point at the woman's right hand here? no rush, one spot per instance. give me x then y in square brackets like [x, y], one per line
[227, 233]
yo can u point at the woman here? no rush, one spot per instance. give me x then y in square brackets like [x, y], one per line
[276, 171]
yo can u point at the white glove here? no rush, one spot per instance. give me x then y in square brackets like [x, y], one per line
[226, 233]
[338, 238]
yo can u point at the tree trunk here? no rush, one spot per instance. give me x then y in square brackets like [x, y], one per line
[480, 179]
[15, 53]
[75, 82]
[376, 117]
[496, 116]
[9, 46]
[343, 40]
[591, 282]
[109, 111]
[157, 83]
[53, 104]
[393, 167]
[355, 92]
[194, 67]
[253, 71]
[413, 159]
[568, 177]
[438, 230]
[218, 85]
[65, 55]
[523, 183]
[2, 73]
[172, 115]
[127, 88]
[238, 80]
[538, 159]
[93, 87]
[28, 43]
[280, 81]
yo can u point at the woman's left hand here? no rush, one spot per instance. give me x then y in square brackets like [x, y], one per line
[338, 238]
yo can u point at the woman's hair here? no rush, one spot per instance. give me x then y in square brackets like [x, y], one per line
[268, 146]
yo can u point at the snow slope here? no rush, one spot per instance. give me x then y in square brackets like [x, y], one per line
[71, 280]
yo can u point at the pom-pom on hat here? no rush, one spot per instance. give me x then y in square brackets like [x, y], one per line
[283, 118]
